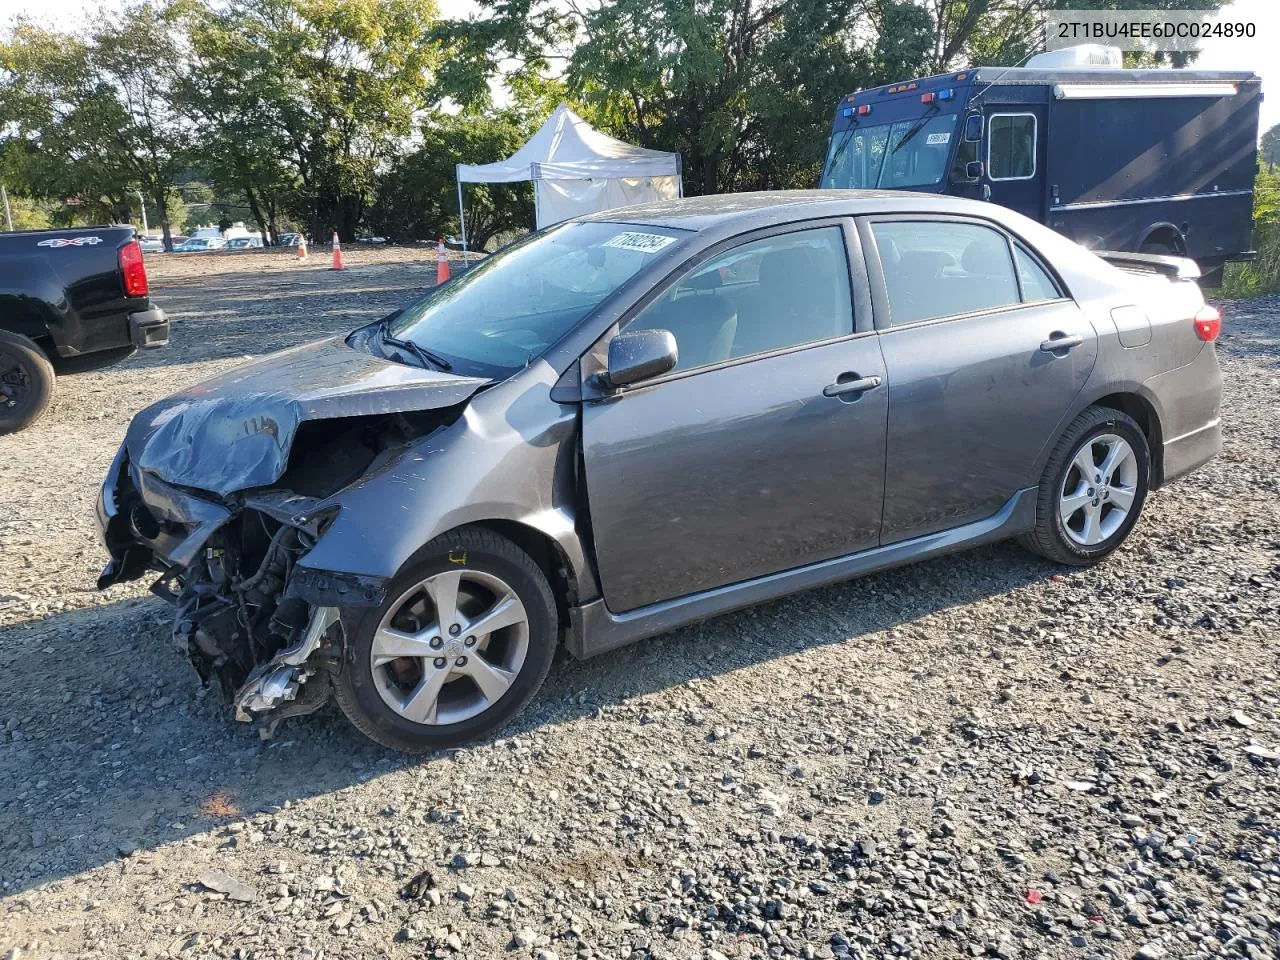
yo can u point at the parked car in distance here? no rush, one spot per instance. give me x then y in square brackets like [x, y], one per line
[244, 243]
[75, 297]
[151, 244]
[641, 418]
[287, 240]
[200, 245]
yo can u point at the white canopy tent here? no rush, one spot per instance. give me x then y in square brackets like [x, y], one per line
[576, 169]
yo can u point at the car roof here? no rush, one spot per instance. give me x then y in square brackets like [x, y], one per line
[764, 208]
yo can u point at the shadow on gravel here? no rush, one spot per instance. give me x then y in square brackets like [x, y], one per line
[114, 747]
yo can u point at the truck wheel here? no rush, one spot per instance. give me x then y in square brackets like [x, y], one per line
[463, 642]
[26, 382]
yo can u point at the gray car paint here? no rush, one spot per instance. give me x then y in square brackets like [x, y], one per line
[517, 453]
[250, 415]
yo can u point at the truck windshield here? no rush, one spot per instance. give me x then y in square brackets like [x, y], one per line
[908, 153]
[502, 314]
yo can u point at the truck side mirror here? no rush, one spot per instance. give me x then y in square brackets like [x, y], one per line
[974, 170]
[973, 128]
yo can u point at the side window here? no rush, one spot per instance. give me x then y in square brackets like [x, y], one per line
[1011, 146]
[942, 268]
[762, 295]
[1036, 284]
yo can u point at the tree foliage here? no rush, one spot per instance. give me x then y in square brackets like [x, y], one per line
[418, 196]
[351, 114]
[95, 118]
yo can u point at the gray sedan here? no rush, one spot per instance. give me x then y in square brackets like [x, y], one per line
[638, 419]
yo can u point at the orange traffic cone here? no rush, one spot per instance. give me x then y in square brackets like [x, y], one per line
[337, 253]
[302, 247]
[442, 263]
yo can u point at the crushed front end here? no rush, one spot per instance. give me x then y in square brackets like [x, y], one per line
[244, 618]
[225, 488]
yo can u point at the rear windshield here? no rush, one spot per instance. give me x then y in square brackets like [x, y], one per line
[499, 316]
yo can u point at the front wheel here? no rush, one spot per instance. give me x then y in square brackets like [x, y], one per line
[1092, 490]
[26, 382]
[463, 642]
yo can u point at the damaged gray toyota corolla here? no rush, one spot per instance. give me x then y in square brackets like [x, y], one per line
[633, 421]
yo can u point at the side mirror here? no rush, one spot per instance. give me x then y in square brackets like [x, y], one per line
[639, 355]
[973, 128]
[973, 170]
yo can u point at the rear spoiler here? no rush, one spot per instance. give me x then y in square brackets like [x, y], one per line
[1175, 268]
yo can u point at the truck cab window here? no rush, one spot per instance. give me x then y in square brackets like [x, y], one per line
[1011, 146]
[966, 153]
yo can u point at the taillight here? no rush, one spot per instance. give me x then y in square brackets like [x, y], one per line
[1208, 323]
[135, 272]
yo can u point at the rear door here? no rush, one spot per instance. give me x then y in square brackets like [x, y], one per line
[984, 354]
[1014, 157]
[764, 449]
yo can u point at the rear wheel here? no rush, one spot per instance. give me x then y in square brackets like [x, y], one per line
[26, 382]
[463, 642]
[1093, 488]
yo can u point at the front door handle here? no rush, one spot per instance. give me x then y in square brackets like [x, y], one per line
[1060, 341]
[850, 388]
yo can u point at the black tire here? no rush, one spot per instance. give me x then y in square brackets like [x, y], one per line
[1050, 537]
[26, 382]
[1161, 248]
[459, 550]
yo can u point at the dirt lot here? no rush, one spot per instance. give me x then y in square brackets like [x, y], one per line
[981, 755]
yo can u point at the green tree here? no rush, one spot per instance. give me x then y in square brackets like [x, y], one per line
[309, 99]
[1270, 148]
[94, 115]
[417, 198]
[742, 89]
[1006, 32]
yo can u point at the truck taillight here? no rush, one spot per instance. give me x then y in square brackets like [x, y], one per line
[134, 270]
[1208, 323]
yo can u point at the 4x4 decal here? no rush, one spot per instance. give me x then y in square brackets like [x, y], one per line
[70, 242]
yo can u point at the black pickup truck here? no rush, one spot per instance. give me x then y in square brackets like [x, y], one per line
[78, 298]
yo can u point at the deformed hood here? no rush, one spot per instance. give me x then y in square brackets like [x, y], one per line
[233, 432]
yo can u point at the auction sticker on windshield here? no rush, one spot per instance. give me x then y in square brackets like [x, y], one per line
[643, 242]
[938, 138]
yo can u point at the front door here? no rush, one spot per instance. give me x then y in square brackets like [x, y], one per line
[1013, 157]
[985, 355]
[764, 449]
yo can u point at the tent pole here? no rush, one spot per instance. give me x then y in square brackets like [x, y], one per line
[462, 216]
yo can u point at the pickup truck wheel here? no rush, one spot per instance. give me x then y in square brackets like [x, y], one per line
[1093, 488]
[26, 382]
[463, 642]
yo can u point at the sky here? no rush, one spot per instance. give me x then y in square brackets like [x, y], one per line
[1257, 54]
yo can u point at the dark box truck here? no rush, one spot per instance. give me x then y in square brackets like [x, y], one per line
[1157, 161]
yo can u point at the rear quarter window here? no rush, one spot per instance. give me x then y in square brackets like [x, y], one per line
[938, 269]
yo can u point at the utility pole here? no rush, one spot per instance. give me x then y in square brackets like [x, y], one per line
[146, 231]
[8, 217]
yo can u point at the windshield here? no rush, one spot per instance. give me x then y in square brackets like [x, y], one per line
[513, 306]
[909, 153]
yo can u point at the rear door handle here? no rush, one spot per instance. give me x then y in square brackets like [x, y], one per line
[851, 388]
[1061, 342]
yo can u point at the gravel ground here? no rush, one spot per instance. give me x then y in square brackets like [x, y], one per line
[983, 755]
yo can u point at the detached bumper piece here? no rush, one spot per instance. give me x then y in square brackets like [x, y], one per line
[149, 329]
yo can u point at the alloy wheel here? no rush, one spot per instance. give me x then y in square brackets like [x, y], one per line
[450, 647]
[1098, 490]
